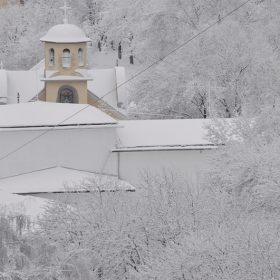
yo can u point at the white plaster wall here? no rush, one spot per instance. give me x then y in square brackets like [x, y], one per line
[133, 163]
[87, 149]
[84, 149]
[34, 156]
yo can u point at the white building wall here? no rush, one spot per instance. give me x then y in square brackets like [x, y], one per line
[83, 149]
[132, 164]
[88, 150]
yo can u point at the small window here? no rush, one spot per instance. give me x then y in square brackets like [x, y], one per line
[81, 57]
[66, 96]
[51, 57]
[66, 59]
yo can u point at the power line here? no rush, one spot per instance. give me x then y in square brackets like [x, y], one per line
[150, 66]
[194, 37]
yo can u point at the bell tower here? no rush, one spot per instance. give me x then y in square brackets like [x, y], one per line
[66, 63]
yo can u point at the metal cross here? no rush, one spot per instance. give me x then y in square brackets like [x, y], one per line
[65, 8]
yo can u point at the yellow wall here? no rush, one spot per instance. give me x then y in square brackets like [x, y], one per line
[53, 87]
[58, 49]
[4, 3]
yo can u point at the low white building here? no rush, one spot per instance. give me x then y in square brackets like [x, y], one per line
[46, 139]
[151, 145]
[43, 144]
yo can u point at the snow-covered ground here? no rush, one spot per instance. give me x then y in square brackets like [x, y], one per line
[107, 60]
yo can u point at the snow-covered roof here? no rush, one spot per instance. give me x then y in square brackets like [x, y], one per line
[104, 86]
[38, 113]
[162, 134]
[121, 84]
[104, 83]
[24, 205]
[26, 83]
[53, 180]
[65, 33]
[3, 86]
[40, 66]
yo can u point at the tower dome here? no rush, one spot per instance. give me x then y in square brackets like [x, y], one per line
[65, 33]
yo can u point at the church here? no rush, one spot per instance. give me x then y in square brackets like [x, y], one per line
[63, 76]
[61, 122]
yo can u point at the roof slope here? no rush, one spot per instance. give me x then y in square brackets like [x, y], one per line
[26, 83]
[162, 133]
[3, 86]
[53, 180]
[104, 85]
[38, 113]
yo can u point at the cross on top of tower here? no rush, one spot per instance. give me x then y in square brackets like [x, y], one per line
[65, 8]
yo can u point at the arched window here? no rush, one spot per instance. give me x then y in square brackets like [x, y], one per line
[66, 58]
[51, 57]
[81, 56]
[66, 96]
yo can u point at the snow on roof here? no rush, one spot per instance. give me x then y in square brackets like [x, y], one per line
[38, 113]
[121, 85]
[18, 204]
[3, 86]
[104, 83]
[65, 33]
[40, 66]
[53, 180]
[162, 133]
[66, 78]
[26, 83]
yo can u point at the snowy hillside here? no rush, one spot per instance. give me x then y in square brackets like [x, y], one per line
[107, 60]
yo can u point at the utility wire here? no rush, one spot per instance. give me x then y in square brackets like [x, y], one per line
[150, 66]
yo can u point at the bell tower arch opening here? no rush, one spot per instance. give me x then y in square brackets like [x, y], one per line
[66, 58]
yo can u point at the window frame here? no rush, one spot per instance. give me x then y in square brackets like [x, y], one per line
[66, 93]
[66, 58]
[80, 57]
[51, 57]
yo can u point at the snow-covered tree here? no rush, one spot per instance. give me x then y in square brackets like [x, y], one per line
[171, 229]
[22, 28]
[214, 74]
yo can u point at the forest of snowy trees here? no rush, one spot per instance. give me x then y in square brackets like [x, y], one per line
[230, 66]
[222, 225]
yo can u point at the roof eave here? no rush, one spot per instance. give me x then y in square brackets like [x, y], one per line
[65, 41]
[164, 148]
